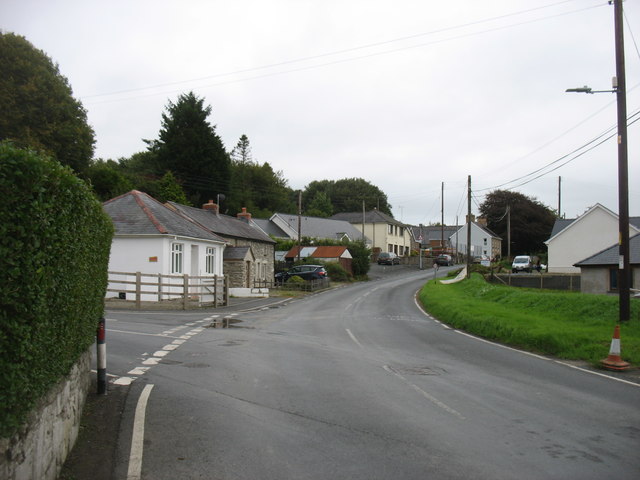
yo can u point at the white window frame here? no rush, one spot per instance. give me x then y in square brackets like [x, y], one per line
[210, 261]
[177, 257]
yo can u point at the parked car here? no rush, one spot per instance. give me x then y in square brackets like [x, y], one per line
[306, 272]
[522, 263]
[444, 260]
[388, 258]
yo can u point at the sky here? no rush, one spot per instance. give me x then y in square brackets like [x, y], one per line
[414, 96]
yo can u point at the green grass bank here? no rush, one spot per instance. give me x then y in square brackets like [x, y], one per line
[566, 325]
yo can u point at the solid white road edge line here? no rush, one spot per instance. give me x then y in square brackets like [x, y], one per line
[137, 438]
[621, 380]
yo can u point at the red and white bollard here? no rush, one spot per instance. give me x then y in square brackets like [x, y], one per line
[102, 357]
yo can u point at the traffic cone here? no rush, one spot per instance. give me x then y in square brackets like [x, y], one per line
[613, 361]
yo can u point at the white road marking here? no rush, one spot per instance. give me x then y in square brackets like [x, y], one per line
[353, 337]
[138, 371]
[124, 381]
[415, 298]
[137, 438]
[428, 396]
[139, 333]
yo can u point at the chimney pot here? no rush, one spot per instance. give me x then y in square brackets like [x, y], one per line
[244, 215]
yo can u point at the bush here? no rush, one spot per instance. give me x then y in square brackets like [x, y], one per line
[336, 272]
[54, 252]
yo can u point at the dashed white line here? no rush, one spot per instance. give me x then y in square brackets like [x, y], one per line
[353, 337]
[426, 395]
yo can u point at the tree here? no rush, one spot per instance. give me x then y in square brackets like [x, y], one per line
[107, 180]
[320, 206]
[241, 153]
[38, 109]
[189, 147]
[169, 190]
[531, 221]
[347, 195]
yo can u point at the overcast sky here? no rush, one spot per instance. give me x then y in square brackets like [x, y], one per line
[406, 94]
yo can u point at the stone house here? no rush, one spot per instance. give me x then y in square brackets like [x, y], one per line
[249, 255]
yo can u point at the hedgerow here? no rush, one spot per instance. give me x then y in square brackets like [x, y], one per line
[54, 252]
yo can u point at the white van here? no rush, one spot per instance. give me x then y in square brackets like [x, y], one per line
[522, 263]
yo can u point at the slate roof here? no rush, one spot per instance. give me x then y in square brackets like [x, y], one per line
[137, 213]
[611, 255]
[317, 227]
[562, 223]
[433, 232]
[236, 253]
[220, 224]
[372, 216]
[268, 227]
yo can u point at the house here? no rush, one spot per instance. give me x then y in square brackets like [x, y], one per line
[599, 272]
[337, 254]
[573, 240]
[154, 240]
[386, 234]
[249, 255]
[437, 238]
[291, 226]
[483, 240]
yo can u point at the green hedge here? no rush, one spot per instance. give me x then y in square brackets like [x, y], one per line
[54, 252]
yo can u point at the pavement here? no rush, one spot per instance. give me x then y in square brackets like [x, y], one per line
[95, 453]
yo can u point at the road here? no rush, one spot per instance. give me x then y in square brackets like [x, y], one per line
[358, 383]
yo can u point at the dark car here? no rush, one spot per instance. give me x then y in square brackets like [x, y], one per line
[306, 272]
[444, 260]
[388, 258]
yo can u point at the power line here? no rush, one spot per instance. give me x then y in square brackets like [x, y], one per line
[340, 52]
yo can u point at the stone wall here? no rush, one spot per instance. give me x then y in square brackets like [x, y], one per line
[38, 450]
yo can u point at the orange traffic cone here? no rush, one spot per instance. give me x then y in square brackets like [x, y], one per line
[614, 361]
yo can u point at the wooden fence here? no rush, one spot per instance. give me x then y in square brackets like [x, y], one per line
[182, 291]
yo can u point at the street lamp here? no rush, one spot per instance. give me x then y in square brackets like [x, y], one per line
[619, 88]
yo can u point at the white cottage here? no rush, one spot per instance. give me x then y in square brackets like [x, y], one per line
[573, 240]
[483, 241]
[154, 241]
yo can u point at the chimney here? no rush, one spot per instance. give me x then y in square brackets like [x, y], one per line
[244, 215]
[482, 221]
[211, 206]
[473, 218]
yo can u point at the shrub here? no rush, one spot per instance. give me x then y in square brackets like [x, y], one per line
[336, 272]
[54, 251]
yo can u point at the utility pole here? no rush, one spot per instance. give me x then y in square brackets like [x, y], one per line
[559, 197]
[624, 273]
[442, 218]
[299, 223]
[469, 227]
[509, 232]
[363, 219]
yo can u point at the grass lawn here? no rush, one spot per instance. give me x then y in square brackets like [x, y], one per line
[566, 325]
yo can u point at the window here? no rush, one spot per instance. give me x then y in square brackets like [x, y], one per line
[613, 279]
[210, 266]
[485, 242]
[176, 257]
[390, 230]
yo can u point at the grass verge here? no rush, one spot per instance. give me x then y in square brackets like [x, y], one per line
[566, 325]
